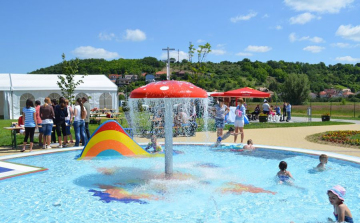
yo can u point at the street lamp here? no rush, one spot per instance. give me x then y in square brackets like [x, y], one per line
[168, 63]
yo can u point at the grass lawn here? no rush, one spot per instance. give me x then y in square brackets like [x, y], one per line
[350, 110]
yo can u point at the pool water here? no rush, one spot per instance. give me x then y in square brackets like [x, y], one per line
[209, 185]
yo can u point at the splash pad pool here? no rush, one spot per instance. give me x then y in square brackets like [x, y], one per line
[208, 185]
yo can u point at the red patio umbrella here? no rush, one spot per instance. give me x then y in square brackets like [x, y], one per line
[246, 92]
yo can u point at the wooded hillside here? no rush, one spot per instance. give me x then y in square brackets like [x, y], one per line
[227, 75]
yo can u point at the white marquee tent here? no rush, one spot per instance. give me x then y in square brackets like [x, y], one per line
[15, 89]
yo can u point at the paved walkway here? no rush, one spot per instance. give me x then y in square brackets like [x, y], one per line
[285, 137]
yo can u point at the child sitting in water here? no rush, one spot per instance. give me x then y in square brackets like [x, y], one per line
[341, 211]
[249, 145]
[323, 161]
[154, 145]
[284, 175]
[225, 136]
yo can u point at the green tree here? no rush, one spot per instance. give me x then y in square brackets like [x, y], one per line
[296, 89]
[199, 67]
[67, 83]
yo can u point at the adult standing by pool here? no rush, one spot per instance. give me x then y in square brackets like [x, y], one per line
[60, 115]
[68, 121]
[39, 121]
[47, 115]
[54, 102]
[87, 119]
[240, 113]
[79, 123]
[220, 111]
[288, 111]
[284, 111]
[266, 107]
[29, 114]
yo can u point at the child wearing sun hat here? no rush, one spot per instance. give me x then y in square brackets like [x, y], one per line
[341, 211]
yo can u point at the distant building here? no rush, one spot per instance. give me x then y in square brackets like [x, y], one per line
[312, 95]
[323, 94]
[132, 77]
[264, 89]
[123, 81]
[149, 78]
[346, 94]
[159, 73]
[331, 93]
[114, 76]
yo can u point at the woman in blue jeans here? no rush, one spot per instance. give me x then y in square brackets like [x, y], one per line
[79, 123]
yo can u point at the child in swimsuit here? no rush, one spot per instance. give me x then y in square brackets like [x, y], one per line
[154, 145]
[284, 175]
[323, 161]
[249, 145]
[341, 211]
[225, 136]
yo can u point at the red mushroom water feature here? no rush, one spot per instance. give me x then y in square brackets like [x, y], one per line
[168, 90]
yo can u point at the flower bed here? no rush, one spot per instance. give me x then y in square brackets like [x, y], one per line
[342, 137]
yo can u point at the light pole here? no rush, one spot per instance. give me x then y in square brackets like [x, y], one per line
[168, 63]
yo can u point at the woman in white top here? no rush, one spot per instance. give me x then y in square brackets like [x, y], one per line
[68, 120]
[79, 122]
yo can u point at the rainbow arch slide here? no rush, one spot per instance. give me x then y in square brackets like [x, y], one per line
[110, 139]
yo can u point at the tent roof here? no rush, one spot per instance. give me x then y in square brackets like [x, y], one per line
[5, 82]
[23, 82]
[245, 92]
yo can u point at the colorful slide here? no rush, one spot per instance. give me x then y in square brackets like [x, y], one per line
[110, 139]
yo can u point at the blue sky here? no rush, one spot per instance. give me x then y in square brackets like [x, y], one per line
[35, 33]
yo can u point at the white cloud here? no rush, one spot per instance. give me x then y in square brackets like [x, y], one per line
[278, 27]
[345, 45]
[135, 35]
[303, 18]
[218, 52]
[292, 37]
[200, 41]
[105, 36]
[242, 54]
[314, 49]
[315, 39]
[321, 6]
[243, 17]
[221, 45]
[258, 49]
[92, 52]
[349, 32]
[348, 59]
[174, 54]
[341, 45]
[265, 16]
